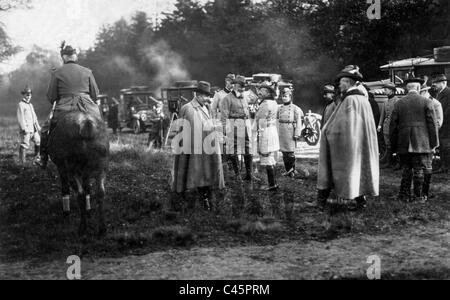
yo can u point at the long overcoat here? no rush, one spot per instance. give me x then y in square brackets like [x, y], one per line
[349, 157]
[198, 161]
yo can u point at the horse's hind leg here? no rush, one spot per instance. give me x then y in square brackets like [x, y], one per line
[87, 191]
[81, 197]
[101, 197]
[65, 190]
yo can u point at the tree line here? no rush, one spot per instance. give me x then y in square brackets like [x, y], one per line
[307, 41]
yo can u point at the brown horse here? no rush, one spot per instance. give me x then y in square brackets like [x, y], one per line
[79, 147]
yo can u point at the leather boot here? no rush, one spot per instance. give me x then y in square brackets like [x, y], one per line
[418, 181]
[405, 186]
[427, 184]
[271, 179]
[22, 155]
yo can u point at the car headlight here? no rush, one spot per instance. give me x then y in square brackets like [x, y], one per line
[144, 117]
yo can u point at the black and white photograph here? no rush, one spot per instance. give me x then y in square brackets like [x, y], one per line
[223, 146]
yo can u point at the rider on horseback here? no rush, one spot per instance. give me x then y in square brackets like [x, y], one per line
[72, 88]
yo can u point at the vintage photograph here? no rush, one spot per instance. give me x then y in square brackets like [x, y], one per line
[224, 140]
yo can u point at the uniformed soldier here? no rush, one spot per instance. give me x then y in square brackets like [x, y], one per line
[29, 126]
[72, 88]
[220, 95]
[290, 130]
[268, 139]
[329, 96]
[385, 121]
[235, 118]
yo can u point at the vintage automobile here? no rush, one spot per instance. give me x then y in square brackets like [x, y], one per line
[137, 108]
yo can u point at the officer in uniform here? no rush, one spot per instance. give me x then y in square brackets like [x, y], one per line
[235, 118]
[385, 121]
[72, 88]
[440, 86]
[29, 126]
[290, 130]
[268, 139]
[329, 96]
[220, 95]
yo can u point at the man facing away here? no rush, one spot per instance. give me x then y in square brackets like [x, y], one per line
[29, 127]
[413, 134]
[72, 88]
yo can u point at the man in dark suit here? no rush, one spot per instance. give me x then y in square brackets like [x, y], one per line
[443, 96]
[414, 135]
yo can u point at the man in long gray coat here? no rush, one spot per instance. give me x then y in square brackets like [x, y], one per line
[198, 161]
[349, 159]
[414, 135]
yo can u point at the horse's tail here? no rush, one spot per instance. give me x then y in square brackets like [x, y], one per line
[88, 129]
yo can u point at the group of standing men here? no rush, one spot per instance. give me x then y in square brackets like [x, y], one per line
[228, 115]
[411, 127]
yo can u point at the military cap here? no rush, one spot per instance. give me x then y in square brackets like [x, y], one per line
[439, 78]
[26, 90]
[240, 80]
[271, 88]
[231, 77]
[351, 72]
[329, 89]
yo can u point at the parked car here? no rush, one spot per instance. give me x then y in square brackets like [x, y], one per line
[137, 108]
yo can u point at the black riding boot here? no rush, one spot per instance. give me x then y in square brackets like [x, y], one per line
[271, 179]
[248, 167]
[427, 184]
[418, 180]
[235, 164]
[405, 187]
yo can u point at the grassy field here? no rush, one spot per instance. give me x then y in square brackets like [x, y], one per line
[140, 222]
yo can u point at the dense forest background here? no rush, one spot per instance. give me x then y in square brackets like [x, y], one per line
[307, 41]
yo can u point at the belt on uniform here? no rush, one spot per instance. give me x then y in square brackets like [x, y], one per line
[243, 117]
[73, 95]
[286, 122]
[413, 124]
